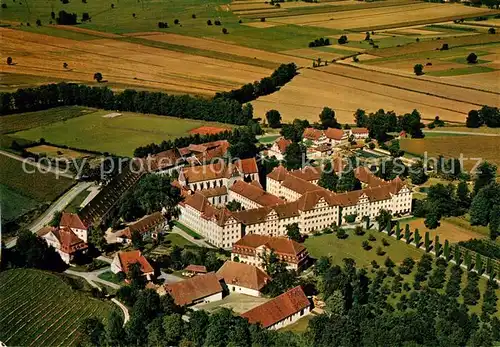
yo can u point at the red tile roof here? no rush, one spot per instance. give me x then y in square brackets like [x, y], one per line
[188, 291]
[334, 134]
[256, 194]
[72, 220]
[211, 192]
[144, 225]
[312, 134]
[360, 130]
[70, 243]
[131, 257]
[281, 245]
[279, 308]
[209, 212]
[243, 275]
[279, 173]
[247, 166]
[308, 173]
[283, 144]
[196, 268]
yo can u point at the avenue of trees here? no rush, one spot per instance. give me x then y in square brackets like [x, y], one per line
[267, 85]
[64, 94]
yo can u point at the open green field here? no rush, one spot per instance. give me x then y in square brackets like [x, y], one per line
[119, 135]
[21, 191]
[336, 249]
[39, 309]
[24, 121]
[14, 204]
[462, 71]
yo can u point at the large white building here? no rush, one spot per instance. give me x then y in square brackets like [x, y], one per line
[304, 202]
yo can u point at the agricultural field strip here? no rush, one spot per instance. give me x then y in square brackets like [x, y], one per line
[14, 294]
[386, 84]
[130, 49]
[338, 8]
[355, 14]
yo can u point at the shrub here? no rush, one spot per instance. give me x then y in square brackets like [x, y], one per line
[224, 31]
[366, 245]
[380, 251]
[372, 238]
[4, 5]
[342, 40]
[217, 22]
[374, 264]
[176, 21]
[418, 69]
[209, 22]
[492, 31]
[359, 231]
[193, 16]
[385, 242]
[263, 19]
[341, 234]
[472, 58]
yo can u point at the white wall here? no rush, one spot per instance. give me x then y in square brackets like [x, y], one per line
[242, 290]
[291, 319]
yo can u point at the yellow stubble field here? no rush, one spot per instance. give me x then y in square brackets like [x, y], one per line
[346, 89]
[122, 63]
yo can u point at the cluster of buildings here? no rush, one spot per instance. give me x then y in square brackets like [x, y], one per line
[320, 143]
[291, 197]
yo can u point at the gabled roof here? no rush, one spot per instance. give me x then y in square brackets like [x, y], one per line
[298, 185]
[282, 144]
[256, 194]
[162, 160]
[69, 242]
[334, 134]
[281, 245]
[243, 275]
[209, 212]
[196, 268]
[247, 166]
[72, 220]
[364, 174]
[211, 192]
[131, 257]
[279, 173]
[144, 224]
[360, 130]
[279, 308]
[188, 291]
[312, 134]
[308, 173]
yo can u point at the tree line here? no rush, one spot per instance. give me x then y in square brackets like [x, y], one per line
[488, 116]
[267, 85]
[65, 94]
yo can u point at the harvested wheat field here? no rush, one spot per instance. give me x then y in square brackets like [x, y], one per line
[447, 231]
[208, 130]
[346, 89]
[262, 25]
[471, 147]
[122, 62]
[224, 47]
[312, 54]
[389, 17]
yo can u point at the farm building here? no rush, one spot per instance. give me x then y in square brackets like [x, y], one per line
[252, 247]
[123, 260]
[243, 278]
[203, 288]
[359, 133]
[65, 242]
[75, 223]
[148, 227]
[278, 148]
[281, 311]
[193, 270]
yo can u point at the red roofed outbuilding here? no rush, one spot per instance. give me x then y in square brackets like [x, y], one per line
[281, 311]
[198, 289]
[123, 260]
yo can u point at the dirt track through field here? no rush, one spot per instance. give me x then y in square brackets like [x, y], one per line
[122, 62]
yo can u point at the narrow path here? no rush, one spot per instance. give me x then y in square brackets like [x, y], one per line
[91, 278]
[38, 165]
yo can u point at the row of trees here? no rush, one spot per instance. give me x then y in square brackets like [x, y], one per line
[381, 123]
[183, 106]
[489, 116]
[282, 75]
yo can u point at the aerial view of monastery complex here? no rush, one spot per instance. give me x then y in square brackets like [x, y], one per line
[212, 173]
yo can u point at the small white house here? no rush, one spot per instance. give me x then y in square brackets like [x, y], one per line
[65, 242]
[243, 278]
[123, 260]
[75, 223]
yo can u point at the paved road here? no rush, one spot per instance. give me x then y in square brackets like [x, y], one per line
[200, 243]
[58, 205]
[43, 168]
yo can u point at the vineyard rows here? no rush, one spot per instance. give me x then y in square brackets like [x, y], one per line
[39, 309]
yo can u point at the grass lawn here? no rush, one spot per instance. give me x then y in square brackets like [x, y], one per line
[462, 71]
[74, 205]
[12, 81]
[41, 187]
[299, 326]
[24, 121]
[481, 130]
[110, 277]
[463, 223]
[337, 249]
[431, 134]
[42, 309]
[178, 240]
[187, 230]
[446, 231]
[108, 134]
[268, 138]
[239, 303]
